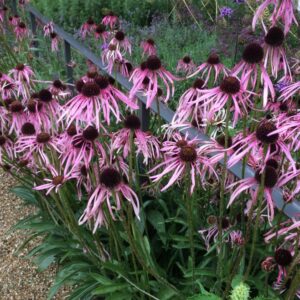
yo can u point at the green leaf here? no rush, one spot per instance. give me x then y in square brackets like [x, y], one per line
[107, 289]
[236, 280]
[158, 222]
[204, 297]
[25, 193]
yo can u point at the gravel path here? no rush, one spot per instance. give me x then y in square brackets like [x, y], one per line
[19, 278]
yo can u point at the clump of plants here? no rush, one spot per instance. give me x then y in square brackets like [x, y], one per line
[202, 207]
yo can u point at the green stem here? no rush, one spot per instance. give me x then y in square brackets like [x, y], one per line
[222, 194]
[260, 198]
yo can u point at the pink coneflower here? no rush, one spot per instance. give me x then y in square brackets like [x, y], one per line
[148, 47]
[54, 41]
[110, 19]
[58, 89]
[50, 104]
[8, 90]
[186, 108]
[110, 55]
[109, 97]
[5, 78]
[230, 88]
[217, 148]
[272, 180]
[181, 156]
[37, 115]
[6, 147]
[39, 144]
[288, 126]
[65, 138]
[254, 142]
[55, 183]
[122, 66]
[274, 52]
[83, 179]
[84, 107]
[152, 69]
[211, 234]
[186, 65]
[251, 63]
[48, 29]
[145, 143]
[15, 20]
[21, 31]
[18, 116]
[82, 148]
[22, 73]
[283, 10]
[121, 42]
[212, 65]
[87, 28]
[101, 33]
[110, 191]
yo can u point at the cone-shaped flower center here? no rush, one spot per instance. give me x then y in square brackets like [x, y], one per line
[274, 37]
[181, 143]
[22, 25]
[153, 63]
[230, 85]
[16, 106]
[151, 42]
[102, 82]
[186, 59]
[33, 106]
[79, 85]
[211, 220]
[58, 84]
[263, 130]
[90, 21]
[225, 223]
[221, 140]
[58, 180]
[53, 35]
[253, 53]
[271, 176]
[45, 95]
[198, 83]
[132, 122]
[43, 138]
[20, 67]
[90, 89]
[110, 178]
[213, 59]
[100, 28]
[188, 154]
[28, 129]
[283, 257]
[2, 140]
[120, 36]
[90, 133]
[71, 131]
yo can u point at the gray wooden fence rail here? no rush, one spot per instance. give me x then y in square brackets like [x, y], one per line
[292, 209]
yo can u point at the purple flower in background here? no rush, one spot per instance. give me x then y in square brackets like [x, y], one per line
[226, 11]
[239, 1]
[104, 46]
[280, 86]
